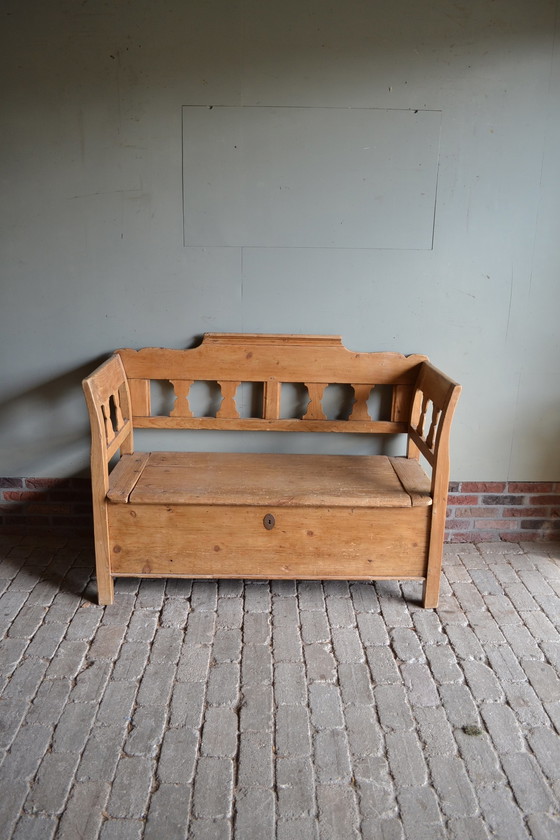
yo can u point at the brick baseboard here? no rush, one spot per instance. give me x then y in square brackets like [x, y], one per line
[46, 505]
[478, 511]
[489, 511]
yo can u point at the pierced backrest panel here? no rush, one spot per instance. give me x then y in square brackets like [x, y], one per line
[108, 402]
[273, 362]
[432, 409]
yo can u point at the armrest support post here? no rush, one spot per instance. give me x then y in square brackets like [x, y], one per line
[429, 432]
[108, 402]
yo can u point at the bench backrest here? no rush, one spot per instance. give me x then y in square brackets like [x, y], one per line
[272, 362]
[420, 404]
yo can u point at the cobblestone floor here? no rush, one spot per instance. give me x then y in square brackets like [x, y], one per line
[216, 710]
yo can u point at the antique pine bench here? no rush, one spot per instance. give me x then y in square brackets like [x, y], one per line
[278, 515]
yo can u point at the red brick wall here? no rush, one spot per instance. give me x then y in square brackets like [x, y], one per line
[481, 511]
[61, 505]
[478, 511]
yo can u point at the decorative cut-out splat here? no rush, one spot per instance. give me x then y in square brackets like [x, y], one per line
[271, 399]
[181, 408]
[109, 431]
[119, 420]
[360, 409]
[315, 409]
[228, 407]
[112, 416]
[422, 418]
[436, 414]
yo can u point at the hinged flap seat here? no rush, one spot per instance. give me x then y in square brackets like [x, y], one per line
[219, 478]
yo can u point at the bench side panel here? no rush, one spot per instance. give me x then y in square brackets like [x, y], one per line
[433, 407]
[110, 414]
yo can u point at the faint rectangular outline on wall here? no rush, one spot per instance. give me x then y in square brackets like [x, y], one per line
[299, 177]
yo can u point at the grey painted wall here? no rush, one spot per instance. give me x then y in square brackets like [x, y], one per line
[93, 222]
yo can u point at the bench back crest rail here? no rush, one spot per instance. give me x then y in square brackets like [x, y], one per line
[248, 515]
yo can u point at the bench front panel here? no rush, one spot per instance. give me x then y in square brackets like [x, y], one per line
[240, 542]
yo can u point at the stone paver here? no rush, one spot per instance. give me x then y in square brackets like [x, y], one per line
[224, 710]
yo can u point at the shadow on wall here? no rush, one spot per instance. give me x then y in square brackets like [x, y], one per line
[41, 433]
[44, 430]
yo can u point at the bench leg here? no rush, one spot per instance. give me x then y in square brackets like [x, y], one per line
[105, 585]
[430, 595]
[105, 589]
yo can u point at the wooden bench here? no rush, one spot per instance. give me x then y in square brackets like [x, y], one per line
[278, 515]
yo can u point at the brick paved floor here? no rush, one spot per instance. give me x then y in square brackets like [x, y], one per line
[215, 710]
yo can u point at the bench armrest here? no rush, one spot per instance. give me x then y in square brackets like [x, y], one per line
[108, 402]
[433, 404]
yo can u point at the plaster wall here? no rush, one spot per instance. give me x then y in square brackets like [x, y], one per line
[96, 252]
